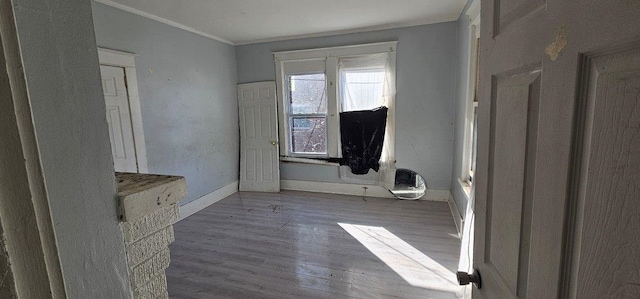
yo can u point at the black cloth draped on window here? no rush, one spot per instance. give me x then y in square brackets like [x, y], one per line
[362, 137]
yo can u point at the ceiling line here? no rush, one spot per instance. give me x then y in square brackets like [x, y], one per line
[111, 3]
[453, 17]
[162, 20]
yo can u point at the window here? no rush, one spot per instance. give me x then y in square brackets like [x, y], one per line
[316, 85]
[307, 114]
[361, 88]
[471, 115]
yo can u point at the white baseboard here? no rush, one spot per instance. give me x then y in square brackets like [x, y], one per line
[193, 207]
[457, 217]
[336, 188]
[437, 195]
[355, 189]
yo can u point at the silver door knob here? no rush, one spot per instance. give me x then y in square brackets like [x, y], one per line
[273, 142]
[465, 278]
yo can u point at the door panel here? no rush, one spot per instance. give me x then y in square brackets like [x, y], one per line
[248, 118]
[515, 104]
[259, 150]
[610, 148]
[557, 215]
[115, 133]
[119, 119]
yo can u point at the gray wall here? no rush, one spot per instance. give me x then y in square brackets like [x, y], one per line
[61, 69]
[426, 69]
[462, 84]
[187, 86]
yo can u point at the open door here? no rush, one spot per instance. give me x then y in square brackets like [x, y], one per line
[259, 150]
[557, 209]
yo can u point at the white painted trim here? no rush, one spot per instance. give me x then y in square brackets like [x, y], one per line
[355, 189]
[307, 161]
[193, 207]
[474, 9]
[455, 212]
[162, 20]
[452, 17]
[336, 188]
[127, 61]
[116, 58]
[28, 239]
[466, 188]
[351, 50]
[474, 31]
[437, 195]
[333, 112]
[345, 171]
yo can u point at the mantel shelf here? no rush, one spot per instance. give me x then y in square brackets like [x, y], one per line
[141, 194]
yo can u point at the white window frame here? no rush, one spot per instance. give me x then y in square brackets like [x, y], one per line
[466, 173]
[288, 62]
[299, 67]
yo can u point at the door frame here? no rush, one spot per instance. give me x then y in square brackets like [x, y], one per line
[30, 250]
[126, 61]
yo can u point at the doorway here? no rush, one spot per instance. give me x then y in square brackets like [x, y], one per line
[124, 116]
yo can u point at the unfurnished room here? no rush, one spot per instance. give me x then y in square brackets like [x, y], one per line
[457, 149]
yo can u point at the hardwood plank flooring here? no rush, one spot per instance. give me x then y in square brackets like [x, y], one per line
[313, 245]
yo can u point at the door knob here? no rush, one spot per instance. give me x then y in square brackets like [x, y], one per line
[273, 142]
[465, 278]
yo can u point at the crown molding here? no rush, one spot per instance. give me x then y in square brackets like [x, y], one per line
[162, 20]
[452, 17]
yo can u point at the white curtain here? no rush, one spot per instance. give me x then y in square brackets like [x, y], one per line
[367, 82]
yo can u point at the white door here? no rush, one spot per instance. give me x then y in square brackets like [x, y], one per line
[259, 150]
[557, 202]
[119, 119]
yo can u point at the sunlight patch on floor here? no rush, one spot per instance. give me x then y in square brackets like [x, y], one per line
[412, 265]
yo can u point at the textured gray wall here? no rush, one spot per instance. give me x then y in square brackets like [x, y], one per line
[426, 73]
[61, 69]
[187, 86]
[462, 84]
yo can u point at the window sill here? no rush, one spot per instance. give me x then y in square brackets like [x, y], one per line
[466, 188]
[307, 161]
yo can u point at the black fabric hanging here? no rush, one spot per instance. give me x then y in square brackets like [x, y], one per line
[362, 136]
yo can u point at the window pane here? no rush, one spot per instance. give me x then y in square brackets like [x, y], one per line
[307, 94]
[308, 135]
[362, 89]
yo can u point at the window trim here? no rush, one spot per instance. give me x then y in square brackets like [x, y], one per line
[471, 103]
[330, 57]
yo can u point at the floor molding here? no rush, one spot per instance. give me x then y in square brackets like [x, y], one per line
[355, 189]
[457, 217]
[193, 207]
[336, 188]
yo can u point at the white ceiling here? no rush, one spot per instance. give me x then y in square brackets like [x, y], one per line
[249, 21]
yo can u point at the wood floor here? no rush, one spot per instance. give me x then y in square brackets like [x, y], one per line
[313, 245]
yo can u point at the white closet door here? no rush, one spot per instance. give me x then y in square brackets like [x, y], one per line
[119, 119]
[259, 150]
